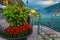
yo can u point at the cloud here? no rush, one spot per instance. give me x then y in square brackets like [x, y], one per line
[47, 3]
[48, 0]
[39, 4]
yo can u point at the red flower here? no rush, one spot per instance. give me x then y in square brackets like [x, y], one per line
[21, 31]
[8, 30]
[12, 30]
[15, 33]
[17, 29]
[11, 33]
[24, 30]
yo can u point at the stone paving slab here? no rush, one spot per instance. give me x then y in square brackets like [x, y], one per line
[34, 35]
[49, 30]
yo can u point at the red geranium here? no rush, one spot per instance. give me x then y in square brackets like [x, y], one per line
[17, 29]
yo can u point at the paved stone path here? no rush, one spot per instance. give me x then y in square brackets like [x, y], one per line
[34, 35]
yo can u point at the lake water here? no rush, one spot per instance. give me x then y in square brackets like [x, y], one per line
[50, 21]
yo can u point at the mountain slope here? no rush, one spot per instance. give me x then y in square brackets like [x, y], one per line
[51, 9]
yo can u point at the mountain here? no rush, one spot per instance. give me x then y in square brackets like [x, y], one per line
[51, 9]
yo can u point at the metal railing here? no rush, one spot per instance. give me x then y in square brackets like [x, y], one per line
[48, 36]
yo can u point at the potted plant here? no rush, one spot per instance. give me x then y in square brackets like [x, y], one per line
[17, 17]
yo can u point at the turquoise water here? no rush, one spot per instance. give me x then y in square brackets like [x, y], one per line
[50, 21]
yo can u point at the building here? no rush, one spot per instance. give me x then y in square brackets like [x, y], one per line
[4, 2]
[11, 2]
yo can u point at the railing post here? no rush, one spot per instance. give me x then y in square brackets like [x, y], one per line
[32, 21]
[39, 25]
[38, 28]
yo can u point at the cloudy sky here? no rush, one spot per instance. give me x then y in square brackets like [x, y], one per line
[39, 4]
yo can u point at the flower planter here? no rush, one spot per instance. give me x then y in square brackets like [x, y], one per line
[17, 38]
[10, 37]
[21, 38]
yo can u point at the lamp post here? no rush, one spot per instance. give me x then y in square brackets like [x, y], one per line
[39, 24]
[32, 11]
[27, 3]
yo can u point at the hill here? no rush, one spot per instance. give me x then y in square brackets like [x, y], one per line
[51, 9]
